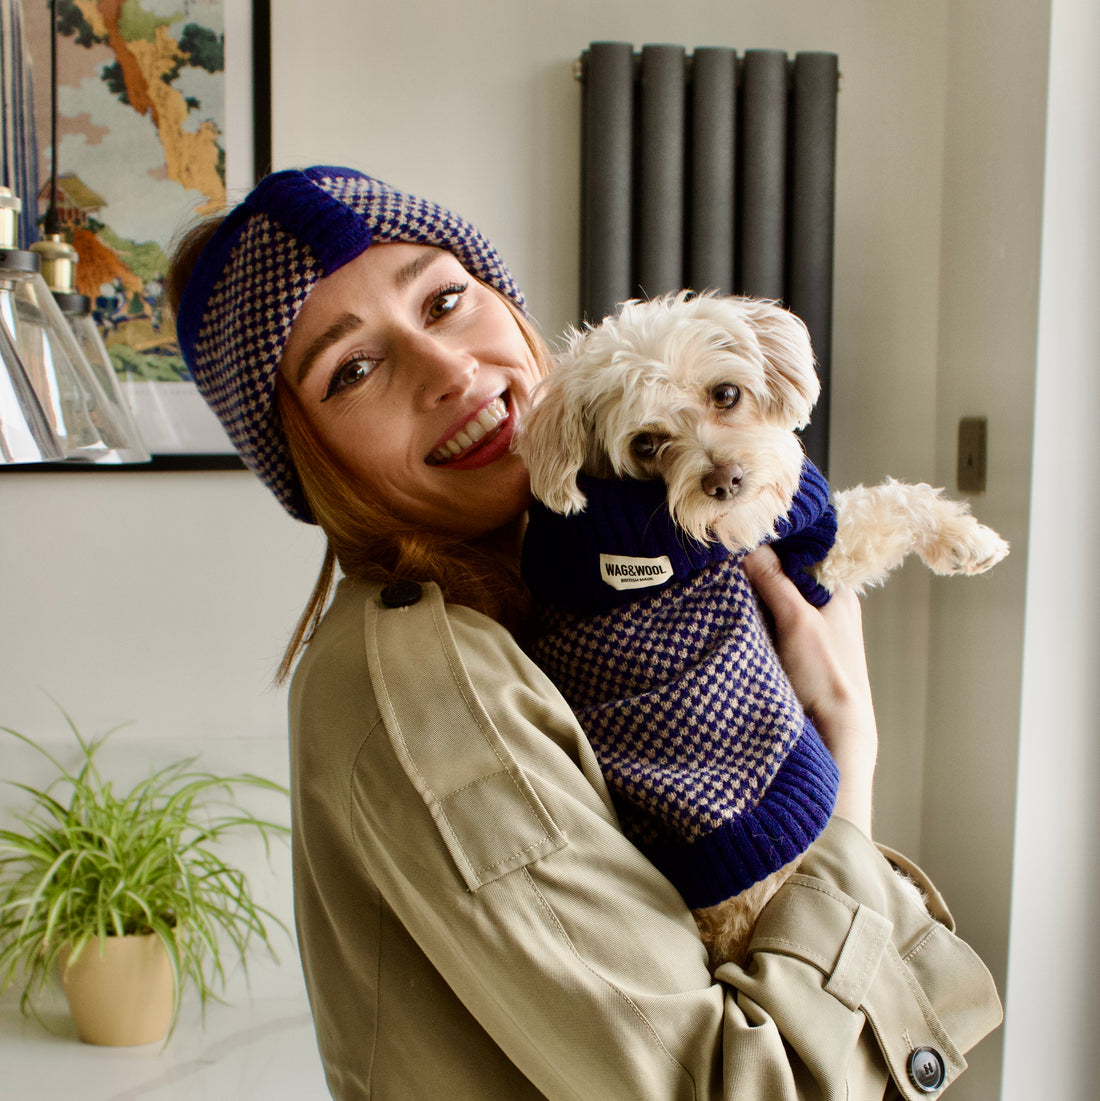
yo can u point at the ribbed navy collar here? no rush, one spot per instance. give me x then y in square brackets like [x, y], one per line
[630, 519]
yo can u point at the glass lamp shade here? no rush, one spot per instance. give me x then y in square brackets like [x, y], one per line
[85, 421]
[77, 310]
[25, 432]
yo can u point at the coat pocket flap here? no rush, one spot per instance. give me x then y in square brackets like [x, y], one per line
[486, 810]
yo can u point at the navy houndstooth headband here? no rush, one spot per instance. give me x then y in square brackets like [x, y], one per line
[256, 272]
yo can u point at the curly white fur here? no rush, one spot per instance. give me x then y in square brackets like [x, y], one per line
[878, 526]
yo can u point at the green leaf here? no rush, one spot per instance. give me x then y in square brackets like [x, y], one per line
[88, 862]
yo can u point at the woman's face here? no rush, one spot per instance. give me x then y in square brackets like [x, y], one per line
[413, 375]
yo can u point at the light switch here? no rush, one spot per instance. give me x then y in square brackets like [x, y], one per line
[971, 469]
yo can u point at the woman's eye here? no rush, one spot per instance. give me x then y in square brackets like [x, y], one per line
[445, 301]
[645, 445]
[725, 395]
[348, 374]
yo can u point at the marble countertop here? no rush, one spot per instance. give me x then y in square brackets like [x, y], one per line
[259, 1049]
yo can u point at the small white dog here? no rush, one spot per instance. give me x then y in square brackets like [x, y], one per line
[704, 394]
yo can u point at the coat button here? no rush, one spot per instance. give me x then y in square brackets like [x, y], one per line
[927, 1070]
[401, 594]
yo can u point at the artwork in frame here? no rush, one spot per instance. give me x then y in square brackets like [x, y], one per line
[163, 115]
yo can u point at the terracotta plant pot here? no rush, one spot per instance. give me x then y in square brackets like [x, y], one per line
[122, 997]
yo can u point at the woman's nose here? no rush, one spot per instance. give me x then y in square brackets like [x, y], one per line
[440, 371]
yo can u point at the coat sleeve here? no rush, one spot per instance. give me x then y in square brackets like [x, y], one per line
[483, 820]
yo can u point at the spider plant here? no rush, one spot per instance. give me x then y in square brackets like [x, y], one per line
[91, 863]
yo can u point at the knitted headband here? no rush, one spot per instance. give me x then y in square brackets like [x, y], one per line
[256, 272]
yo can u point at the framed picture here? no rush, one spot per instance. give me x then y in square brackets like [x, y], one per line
[162, 115]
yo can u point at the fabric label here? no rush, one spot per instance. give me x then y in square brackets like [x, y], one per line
[621, 572]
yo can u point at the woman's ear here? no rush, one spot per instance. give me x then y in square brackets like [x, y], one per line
[553, 442]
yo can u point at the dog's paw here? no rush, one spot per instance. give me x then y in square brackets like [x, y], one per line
[963, 546]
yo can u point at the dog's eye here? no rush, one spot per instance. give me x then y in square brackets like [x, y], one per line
[725, 395]
[645, 445]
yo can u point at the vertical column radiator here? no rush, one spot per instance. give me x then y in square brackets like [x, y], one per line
[712, 171]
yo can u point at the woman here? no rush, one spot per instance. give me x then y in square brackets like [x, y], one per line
[471, 919]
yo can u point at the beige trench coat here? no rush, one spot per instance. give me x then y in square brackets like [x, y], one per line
[474, 925]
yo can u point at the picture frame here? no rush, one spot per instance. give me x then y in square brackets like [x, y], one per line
[160, 119]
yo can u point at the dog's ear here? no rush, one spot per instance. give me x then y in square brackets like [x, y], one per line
[793, 385]
[553, 443]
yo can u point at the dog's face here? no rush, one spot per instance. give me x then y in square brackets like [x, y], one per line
[705, 392]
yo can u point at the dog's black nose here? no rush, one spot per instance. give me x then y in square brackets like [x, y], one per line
[722, 482]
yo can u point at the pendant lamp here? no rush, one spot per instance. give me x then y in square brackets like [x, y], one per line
[58, 259]
[25, 432]
[81, 416]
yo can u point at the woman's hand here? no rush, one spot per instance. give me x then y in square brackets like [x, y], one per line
[822, 651]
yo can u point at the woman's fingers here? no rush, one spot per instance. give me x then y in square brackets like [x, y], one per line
[823, 653]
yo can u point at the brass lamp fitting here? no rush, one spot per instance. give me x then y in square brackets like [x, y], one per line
[59, 260]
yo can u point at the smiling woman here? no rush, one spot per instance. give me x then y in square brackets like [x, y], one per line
[413, 375]
[366, 437]
[379, 376]
[471, 918]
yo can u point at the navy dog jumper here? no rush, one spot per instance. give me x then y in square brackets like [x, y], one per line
[658, 644]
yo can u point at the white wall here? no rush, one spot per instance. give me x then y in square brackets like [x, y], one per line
[989, 284]
[166, 598]
[1054, 968]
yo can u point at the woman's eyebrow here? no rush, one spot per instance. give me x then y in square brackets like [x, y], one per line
[407, 273]
[346, 323]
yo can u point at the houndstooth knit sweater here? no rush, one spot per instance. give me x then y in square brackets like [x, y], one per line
[658, 644]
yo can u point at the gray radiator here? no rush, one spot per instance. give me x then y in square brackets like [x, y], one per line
[711, 170]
